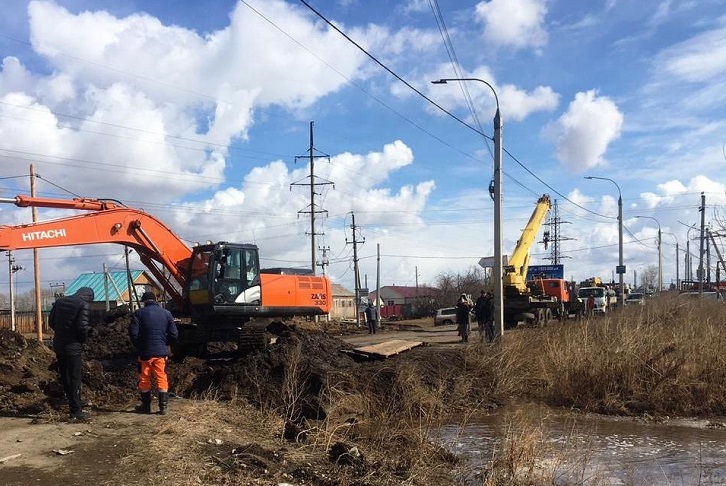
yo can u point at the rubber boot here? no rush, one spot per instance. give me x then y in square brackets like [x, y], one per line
[163, 402]
[145, 406]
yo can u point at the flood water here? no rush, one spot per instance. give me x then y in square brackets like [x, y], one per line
[574, 449]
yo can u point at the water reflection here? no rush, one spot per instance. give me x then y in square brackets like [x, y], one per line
[589, 449]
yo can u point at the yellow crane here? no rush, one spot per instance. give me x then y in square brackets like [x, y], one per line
[515, 272]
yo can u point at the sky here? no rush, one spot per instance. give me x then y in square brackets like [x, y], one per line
[200, 114]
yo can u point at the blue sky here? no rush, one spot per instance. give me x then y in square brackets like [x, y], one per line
[196, 112]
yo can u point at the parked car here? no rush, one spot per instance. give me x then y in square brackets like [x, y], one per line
[447, 316]
[635, 298]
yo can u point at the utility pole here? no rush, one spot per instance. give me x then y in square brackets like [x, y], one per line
[378, 285]
[12, 269]
[700, 253]
[708, 256]
[355, 242]
[36, 266]
[312, 208]
[678, 264]
[106, 278]
[720, 258]
[324, 262]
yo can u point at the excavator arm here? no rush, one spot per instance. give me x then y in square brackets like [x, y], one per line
[108, 222]
[515, 273]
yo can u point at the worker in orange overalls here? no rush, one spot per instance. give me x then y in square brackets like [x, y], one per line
[152, 329]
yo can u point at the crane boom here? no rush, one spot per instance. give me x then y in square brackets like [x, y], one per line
[515, 273]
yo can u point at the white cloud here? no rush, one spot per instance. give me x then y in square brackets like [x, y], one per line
[14, 76]
[584, 132]
[416, 6]
[266, 195]
[151, 100]
[516, 104]
[519, 104]
[698, 59]
[514, 23]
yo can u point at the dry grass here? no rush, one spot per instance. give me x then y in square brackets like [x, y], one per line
[665, 357]
[662, 358]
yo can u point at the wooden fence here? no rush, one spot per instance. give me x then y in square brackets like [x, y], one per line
[24, 321]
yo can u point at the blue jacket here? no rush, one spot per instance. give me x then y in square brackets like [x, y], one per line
[69, 321]
[152, 329]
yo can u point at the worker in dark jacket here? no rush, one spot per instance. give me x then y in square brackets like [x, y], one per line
[463, 310]
[69, 321]
[152, 329]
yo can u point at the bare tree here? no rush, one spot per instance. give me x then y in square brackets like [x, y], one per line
[452, 285]
[649, 277]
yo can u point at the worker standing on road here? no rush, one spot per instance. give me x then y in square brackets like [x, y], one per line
[484, 313]
[69, 321]
[463, 309]
[371, 318]
[152, 329]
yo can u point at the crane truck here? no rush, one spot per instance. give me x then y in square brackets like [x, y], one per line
[538, 300]
[218, 292]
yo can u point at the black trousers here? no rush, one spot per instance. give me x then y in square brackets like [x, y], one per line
[69, 367]
[372, 326]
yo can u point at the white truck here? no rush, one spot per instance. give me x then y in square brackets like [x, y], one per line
[601, 296]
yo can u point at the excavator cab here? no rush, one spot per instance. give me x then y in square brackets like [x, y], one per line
[223, 274]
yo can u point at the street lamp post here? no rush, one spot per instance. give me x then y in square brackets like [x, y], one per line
[687, 262]
[678, 280]
[621, 267]
[498, 270]
[660, 256]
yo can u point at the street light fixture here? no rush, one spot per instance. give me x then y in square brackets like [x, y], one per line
[660, 256]
[621, 267]
[498, 270]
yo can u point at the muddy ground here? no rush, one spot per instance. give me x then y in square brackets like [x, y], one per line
[303, 411]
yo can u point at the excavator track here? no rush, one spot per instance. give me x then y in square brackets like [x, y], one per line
[253, 336]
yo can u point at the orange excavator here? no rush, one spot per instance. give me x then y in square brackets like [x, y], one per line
[217, 290]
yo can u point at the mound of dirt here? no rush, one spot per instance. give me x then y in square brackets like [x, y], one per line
[29, 379]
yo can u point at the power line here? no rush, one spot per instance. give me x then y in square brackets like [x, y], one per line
[444, 110]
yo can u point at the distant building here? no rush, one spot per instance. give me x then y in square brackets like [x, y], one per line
[343, 303]
[115, 288]
[401, 301]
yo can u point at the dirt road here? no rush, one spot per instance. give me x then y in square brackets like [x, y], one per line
[422, 330]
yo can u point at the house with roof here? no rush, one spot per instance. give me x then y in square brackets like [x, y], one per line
[404, 301]
[112, 289]
[343, 303]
